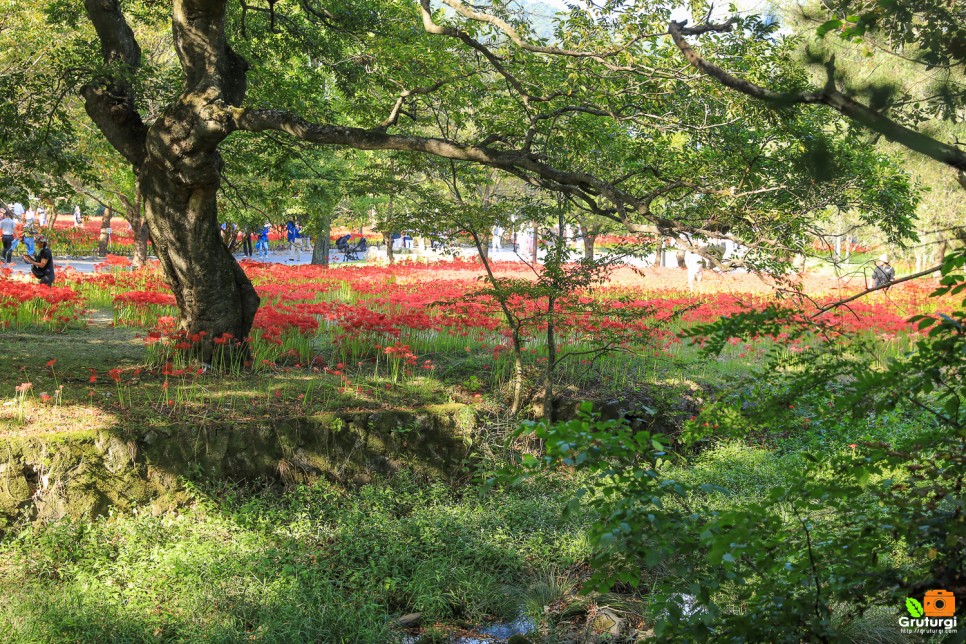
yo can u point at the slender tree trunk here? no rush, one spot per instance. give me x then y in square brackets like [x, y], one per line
[536, 244]
[387, 238]
[52, 214]
[323, 242]
[517, 343]
[551, 362]
[141, 237]
[512, 322]
[105, 237]
[135, 217]
[589, 241]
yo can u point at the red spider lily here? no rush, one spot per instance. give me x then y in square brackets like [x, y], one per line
[51, 363]
[145, 298]
[45, 397]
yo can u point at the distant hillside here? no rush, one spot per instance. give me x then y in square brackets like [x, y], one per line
[541, 15]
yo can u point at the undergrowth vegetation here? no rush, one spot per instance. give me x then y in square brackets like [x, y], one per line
[773, 479]
[313, 564]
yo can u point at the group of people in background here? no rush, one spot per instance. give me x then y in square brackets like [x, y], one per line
[20, 225]
[525, 240]
[297, 240]
[38, 254]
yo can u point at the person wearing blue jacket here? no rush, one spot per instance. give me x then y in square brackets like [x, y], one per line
[261, 244]
[294, 235]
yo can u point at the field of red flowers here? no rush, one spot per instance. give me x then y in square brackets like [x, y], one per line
[384, 337]
[423, 310]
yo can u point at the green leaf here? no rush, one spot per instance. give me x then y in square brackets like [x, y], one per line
[914, 607]
[827, 27]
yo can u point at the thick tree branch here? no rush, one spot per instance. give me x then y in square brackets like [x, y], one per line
[585, 186]
[109, 100]
[206, 58]
[942, 152]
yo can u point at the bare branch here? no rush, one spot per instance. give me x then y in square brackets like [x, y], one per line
[505, 27]
[393, 117]
[907, 278]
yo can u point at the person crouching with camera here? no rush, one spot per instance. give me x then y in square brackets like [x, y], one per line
[42, 263]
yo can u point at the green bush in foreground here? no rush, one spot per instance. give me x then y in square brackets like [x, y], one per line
[859, 505]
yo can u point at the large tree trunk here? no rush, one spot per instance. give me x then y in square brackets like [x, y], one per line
[176, 158]
[212, 291]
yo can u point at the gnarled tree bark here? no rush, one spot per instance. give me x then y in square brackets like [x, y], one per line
[176, 158]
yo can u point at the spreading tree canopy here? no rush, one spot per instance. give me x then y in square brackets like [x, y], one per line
[603, 113]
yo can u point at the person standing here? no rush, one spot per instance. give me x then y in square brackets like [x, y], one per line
[294, 236]
[695, 266]
[261, 245]
[78, 218]
[8, 228]
[29, 232]
[497, 237]
[247, 242]
[883, 274]
[42, 263]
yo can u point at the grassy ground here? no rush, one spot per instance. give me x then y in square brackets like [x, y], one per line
[146, 395]
[328, 562]
[314, 564]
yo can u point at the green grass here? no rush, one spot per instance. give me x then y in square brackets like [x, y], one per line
[315, 564]
[327, 563]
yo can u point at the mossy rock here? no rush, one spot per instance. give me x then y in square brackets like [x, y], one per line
[83, 474]
[15, 492]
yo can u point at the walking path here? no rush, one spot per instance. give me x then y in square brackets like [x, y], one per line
[87, 264]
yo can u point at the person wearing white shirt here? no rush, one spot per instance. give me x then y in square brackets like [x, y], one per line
[497, 237]
[8, 228]
[695, 266]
